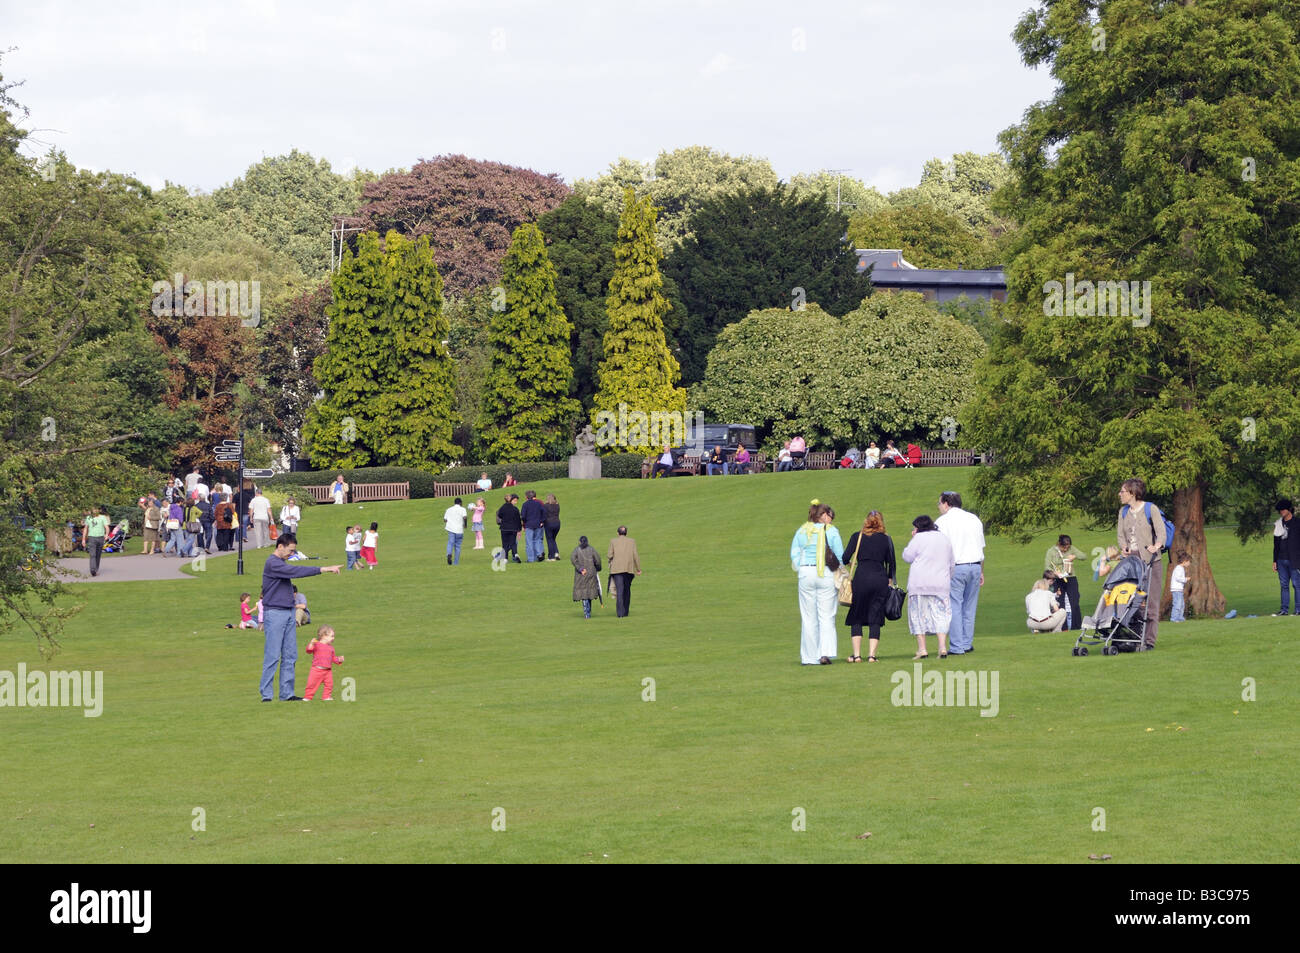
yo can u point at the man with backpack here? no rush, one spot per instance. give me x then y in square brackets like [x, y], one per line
[1143, 531]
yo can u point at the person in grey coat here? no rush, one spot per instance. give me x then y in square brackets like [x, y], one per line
[586, 584]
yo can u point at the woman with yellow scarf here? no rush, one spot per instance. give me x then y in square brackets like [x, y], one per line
[817, 599]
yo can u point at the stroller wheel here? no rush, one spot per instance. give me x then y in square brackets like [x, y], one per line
[1074, 651]
[1083, 650]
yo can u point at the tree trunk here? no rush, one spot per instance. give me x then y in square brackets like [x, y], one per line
[1202, 595]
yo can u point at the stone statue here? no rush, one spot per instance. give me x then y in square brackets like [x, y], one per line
[586, 442]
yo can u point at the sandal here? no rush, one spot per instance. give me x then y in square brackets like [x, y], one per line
[943, 655]
[872, 658]
[854, 658]
[917, 658]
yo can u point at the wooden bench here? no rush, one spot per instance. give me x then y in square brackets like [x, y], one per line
[947, 458]
[457, 489]
[362, 492]
[821, 460]
[688, 464]
[319, 494]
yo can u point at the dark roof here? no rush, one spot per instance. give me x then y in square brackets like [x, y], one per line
[891, 269]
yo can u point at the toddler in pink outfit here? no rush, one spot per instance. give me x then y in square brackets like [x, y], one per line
[323, 660]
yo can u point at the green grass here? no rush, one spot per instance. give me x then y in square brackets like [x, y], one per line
[477, 690]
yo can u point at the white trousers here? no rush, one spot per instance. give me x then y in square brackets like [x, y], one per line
[817, 609]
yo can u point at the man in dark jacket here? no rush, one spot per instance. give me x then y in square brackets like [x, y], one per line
[278, 615]
[1286, 556]
[510, 522]
[533, 517]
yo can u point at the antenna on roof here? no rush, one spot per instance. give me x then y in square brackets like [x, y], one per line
[838, 202]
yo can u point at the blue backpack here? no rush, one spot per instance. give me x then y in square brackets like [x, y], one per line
[1169, 526]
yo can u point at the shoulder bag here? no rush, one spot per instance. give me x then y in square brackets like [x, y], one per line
[844, 576]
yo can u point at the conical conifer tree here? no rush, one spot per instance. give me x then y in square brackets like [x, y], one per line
[526, 406]
[639, 370]
[413, 419]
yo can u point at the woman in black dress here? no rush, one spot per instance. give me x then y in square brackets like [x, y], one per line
[871, 581]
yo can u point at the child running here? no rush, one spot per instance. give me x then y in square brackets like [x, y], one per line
[368, 544]
[352, 546]
[323, 660]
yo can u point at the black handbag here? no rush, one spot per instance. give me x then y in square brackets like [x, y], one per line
[894, 603]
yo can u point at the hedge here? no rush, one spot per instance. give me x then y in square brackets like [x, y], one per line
[621, 466]
[523, 472]
[421, 480]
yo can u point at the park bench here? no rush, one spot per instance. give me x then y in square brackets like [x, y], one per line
[688, 464]
[362, 492]
[947, 458]
[319, 494]
[821, 460]
[456, 490]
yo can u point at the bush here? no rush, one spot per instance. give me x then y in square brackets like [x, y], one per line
[421, 480]
[621, 466]
[523, 472]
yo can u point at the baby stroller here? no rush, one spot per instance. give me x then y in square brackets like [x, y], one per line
[1119, 623]
[852, 459]
[116, 541]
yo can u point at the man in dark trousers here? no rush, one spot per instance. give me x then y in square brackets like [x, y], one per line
[623, 562]
[278, 616]
[533, 517]
[1286, 555]
[510, 522]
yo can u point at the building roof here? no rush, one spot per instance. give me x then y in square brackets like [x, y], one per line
[891, 269]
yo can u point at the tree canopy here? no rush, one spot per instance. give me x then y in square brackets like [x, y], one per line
[1168, 161]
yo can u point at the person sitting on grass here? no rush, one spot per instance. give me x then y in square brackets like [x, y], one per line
[1043, 611]
[245, 614]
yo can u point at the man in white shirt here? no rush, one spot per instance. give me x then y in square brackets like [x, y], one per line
[966, 534]
[455, 517]
[192, 479]
[484, 483]
[1041, 608]
[202, 490]
[259, 510]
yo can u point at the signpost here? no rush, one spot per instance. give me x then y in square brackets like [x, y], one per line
[232, 451]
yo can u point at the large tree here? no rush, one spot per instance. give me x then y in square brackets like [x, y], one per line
[678, 183]
[468, 208]
[527, 411]
[638, 370]
[291, 342]
[757, 250]
[927, 236]
[894, 368]
[580, 237]
[77, 253]
[1170, 154]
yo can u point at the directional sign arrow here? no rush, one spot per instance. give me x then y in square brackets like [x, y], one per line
[258, 474]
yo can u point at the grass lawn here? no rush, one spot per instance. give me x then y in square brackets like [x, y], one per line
[477, 690]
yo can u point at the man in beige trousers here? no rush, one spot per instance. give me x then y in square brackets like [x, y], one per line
[623, 562]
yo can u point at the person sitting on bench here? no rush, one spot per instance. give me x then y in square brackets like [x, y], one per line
[665, 464]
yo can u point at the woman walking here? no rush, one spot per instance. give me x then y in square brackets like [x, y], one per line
[874, 552]
[586, 581]
[929, 585]
[551, 524]
[152, 520]
[94, 533]
[814, 552]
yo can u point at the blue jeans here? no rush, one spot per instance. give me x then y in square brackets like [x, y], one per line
[724, 467]
[281, 649]
[453, 547]
[1176, 610]
[1290, 578]
[352, 559]
[964, 593]
[534, 544]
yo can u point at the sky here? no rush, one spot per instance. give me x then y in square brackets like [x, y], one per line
[195, 92]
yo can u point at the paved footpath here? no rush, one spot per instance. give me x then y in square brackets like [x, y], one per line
[152, 568]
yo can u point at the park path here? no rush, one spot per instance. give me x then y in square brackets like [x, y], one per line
[152, 568]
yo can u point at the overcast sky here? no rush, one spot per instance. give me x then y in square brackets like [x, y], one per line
[196, 92]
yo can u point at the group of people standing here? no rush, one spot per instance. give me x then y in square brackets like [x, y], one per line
[946, 556]
[538, 521]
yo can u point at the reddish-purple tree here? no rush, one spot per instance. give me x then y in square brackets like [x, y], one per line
[468, 208]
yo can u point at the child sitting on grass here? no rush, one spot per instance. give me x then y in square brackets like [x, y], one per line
[245, 616]
[323, 660]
